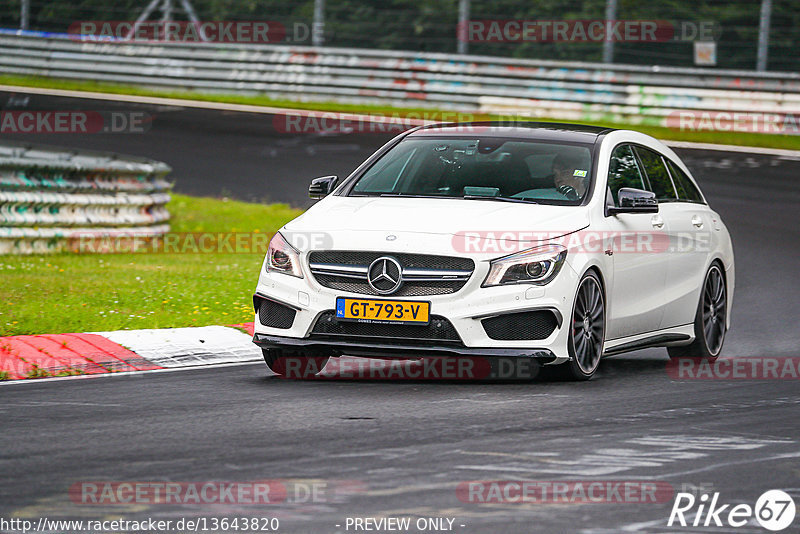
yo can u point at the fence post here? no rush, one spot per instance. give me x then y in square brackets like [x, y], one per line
[462, 34]
[763, 35]
[608, 44]
[318, 25]
[24, 14]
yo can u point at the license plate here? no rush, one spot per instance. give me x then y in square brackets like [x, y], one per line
[383, 311]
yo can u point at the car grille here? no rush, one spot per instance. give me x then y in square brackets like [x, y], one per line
[423, 274]
[537, 324]
[273, 314]
[438, 329]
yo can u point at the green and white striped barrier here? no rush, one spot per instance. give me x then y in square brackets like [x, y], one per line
[556, 89]
[50, 197]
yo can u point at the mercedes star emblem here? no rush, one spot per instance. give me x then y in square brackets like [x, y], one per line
[384, 275]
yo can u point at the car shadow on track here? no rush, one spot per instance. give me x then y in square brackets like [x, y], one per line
[472, 371]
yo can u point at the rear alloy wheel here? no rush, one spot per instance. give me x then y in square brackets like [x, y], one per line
[291, 365]
[587, 330]
[710, 322]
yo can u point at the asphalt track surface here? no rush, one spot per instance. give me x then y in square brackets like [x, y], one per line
[405, 446]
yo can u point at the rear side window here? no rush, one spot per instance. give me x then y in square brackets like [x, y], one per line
[687, 191]
[623, 171]
[657, 175]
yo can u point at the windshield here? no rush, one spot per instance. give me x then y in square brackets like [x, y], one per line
[488, 168]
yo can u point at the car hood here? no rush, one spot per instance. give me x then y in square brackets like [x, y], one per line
[366, 222]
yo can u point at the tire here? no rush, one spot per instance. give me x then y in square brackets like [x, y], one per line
[710, 320]
[587, 330]
[293, 365]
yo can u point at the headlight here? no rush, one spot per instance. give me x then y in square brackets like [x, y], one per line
[282, 257]
[537, 265]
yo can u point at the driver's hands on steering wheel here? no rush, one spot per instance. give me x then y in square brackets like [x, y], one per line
[569, 192]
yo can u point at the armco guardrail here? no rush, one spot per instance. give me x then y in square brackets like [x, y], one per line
[51, 198]
[578, 91]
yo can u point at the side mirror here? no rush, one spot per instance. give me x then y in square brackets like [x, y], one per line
[321, 187]
[634, 201]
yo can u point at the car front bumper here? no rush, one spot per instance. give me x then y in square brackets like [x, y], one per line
[465, 310]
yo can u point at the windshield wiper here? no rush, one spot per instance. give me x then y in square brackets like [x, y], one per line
[524, 200]
[395, 195]
[407, 195]
[501, 199]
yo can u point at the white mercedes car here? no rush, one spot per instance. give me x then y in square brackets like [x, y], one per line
[557, 243]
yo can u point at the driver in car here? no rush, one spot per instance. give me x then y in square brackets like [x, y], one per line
[567, 179]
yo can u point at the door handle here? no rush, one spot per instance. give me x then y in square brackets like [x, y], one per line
[657, 221]
[697, 221]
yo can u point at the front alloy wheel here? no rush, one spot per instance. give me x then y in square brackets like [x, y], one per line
[710, 322]
[587, 329]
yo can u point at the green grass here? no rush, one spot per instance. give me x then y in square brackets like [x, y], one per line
[791, 142]
[93, 292]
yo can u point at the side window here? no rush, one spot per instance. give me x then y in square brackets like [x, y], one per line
[657, 175]
[623, 171]
[686, 189]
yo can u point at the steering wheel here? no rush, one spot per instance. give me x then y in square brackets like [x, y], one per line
[569, 192]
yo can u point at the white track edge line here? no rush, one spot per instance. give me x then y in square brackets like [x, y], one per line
[122, 373]
[222, 106]
[734, 148]
[203, 104]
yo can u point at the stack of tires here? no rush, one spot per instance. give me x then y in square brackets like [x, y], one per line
[51, 196]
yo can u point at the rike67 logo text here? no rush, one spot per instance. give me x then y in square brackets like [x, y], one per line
[774, 510]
